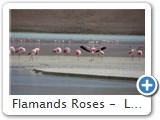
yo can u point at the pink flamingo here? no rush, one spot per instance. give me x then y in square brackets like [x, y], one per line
[101, 54]
[92, 50]
[21, 51]
[67, 50]
[139, 51]
[132, 52]
[78, 53]
[32, 53]
[57, 51]
[12, 50]
[37, 50]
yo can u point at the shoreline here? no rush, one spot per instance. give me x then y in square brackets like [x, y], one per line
[110, 33]
[84, 75]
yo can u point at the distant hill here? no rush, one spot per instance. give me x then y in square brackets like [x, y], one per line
[79, 21]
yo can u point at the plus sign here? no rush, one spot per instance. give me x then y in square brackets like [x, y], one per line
[147, 85]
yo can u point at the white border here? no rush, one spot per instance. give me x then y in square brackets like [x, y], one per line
[7, 98]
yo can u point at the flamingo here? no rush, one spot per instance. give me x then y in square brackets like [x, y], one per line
[32, 53]
[101, 54]
[139, 51]
[92, 50]
[21, 51]
[37, 50]
[132, 52]
[67, 50]
[12, 50]
[58, 51]
[78, 53]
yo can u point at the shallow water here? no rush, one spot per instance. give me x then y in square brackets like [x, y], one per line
[60, 36]
[21, 76]
[117, 45]
[24, 81]
[113, 50]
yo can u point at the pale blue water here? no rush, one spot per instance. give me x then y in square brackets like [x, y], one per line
[59, 36]
[23, 76]
[24, 81]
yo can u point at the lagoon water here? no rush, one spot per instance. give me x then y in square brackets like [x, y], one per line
[23, 81]
[47, 42]
[60, 36]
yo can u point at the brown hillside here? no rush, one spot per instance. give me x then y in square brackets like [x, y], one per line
[79, 21]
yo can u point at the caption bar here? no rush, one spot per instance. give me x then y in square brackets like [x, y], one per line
[80, 105]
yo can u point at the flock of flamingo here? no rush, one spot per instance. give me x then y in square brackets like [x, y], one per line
[58, 50]
[136, 52]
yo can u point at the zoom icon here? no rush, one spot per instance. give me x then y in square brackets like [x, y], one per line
[147, 85]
